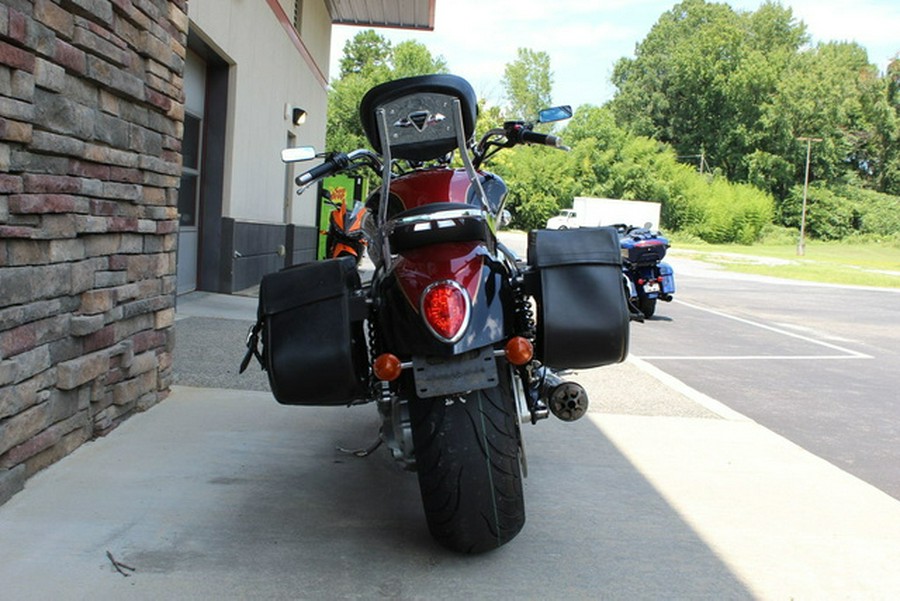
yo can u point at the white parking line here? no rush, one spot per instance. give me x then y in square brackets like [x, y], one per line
[846, 353]
[704, 400]
[752, 357]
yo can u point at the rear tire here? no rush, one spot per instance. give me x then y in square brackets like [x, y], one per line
[647, 306]
[467, 458]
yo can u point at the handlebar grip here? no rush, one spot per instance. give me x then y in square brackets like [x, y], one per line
[329, 166]
[532, 137]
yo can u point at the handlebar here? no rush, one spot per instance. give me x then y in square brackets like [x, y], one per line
[332, 164]
[338, 161]
[512, 134]
[526, 136]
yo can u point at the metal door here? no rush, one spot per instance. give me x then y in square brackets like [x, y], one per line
[190, 193]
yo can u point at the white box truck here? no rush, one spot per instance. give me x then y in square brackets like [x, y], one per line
[593, 212]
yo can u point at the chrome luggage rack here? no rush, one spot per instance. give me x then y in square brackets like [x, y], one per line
[437, 223]
[442, 222]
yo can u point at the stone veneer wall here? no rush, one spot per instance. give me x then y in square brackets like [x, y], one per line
[91, 114]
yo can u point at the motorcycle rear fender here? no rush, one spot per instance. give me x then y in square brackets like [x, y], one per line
[667, 277]
[470, 264]
[632, 289]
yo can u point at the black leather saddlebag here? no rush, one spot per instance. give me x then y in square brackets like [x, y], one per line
[583, 318]
[313, 341]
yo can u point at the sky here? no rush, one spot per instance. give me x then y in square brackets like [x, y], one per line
[585, 38]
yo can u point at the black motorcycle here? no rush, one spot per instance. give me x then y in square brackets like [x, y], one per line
[455, 339]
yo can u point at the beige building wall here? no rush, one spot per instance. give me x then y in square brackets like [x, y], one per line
[267, 73]
[92, 171]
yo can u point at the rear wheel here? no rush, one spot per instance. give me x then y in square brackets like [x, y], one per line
[647, 306]
[467, 458]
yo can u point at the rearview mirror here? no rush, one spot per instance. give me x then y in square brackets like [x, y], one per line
[300, 153]
[556, 113]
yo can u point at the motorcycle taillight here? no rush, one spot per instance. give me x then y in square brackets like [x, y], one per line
[445, 308]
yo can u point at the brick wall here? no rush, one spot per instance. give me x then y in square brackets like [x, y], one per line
[91, 112]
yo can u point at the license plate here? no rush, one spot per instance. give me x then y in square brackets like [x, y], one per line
[651, 287]
[453, 375]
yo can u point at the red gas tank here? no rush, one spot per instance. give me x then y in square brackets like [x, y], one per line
[429, 186]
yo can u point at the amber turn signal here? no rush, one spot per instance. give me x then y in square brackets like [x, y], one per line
[519, 351]
[387, 367]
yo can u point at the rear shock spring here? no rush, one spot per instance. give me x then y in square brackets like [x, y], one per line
[377, 389]
[524, 314]
[373, 338]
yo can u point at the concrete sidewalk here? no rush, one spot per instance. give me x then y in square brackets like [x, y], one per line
[220, 493]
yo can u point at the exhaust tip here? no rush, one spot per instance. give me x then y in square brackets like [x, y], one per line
[568, 401]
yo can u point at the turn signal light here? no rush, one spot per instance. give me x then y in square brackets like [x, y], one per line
[387, 367]
[519, 351]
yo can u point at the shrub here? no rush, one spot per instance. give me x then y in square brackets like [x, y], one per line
[839, 212]
[777, 235]
[731, 213]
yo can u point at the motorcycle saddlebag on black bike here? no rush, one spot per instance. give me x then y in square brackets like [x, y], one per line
[583, 318]
[314, 348]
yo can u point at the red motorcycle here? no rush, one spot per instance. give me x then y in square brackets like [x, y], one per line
[455, 339]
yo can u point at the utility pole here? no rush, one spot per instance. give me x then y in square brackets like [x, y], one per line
[701, 156]
[801, 245]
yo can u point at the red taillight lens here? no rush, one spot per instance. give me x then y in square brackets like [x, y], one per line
[445, 307]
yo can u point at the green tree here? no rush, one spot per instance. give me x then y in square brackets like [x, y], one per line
[411, 58]
[833, 93]
[366, 52]
[890, 182]
[527, 84]
[540, 181]
[490, 116]
[699, 77]
[839, 211]
[369, 59]
[596, 142]
[344, 129]
[606, 159]
[742, 87]
[594, 122]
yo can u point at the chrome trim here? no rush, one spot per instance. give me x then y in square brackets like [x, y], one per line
[524, 416]
[464, 153]
[468, 315]
[385, 184]
[463, 213]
